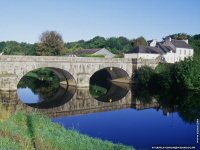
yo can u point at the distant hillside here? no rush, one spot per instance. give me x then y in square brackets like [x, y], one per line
[117, 45]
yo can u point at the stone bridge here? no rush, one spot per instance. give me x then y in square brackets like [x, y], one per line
[75, 70]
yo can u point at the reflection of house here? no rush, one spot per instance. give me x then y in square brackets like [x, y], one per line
[170, 50]
[86, 52]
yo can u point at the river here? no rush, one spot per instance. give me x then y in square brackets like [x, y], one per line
[114, 112]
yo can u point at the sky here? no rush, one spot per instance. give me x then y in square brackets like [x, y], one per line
[25, 20]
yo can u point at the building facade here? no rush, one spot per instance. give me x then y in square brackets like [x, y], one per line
[169, 50]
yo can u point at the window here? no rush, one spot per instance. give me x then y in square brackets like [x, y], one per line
[180, 52]
[185, 52]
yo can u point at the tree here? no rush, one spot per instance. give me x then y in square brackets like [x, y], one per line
[194, 41]
[50, 44]
[139, 41]
[144, 75]
[178, 36]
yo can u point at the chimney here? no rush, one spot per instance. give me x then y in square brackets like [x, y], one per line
[186, 41]
[153, 43]
[168, 39]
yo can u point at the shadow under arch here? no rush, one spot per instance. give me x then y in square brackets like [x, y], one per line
[49, 97]
[61, 97]
[64, 76]
[114, 80]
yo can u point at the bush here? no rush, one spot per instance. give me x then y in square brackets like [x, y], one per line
[187, 74]
[144, 75]
[164, 75]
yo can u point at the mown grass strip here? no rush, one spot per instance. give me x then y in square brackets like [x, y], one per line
[35, 131]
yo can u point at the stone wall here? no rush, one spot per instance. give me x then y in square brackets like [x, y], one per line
[145, 62]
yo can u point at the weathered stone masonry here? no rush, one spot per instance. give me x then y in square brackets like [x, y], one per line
[76, 70]
[13, 68]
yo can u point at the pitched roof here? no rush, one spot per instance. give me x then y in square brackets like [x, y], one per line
[165, 48]
[85, 51]
[180, 44]
[147, 49]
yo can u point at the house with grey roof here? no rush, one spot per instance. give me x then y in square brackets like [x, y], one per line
[84, 52]
[169, 50]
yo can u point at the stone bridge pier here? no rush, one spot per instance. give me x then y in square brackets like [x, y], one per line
[75, 71]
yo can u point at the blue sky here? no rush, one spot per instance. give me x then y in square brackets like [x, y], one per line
[25, 20]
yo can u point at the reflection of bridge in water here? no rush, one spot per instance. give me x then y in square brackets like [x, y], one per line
[81, 103]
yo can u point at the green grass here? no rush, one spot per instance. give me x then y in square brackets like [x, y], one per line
[25, 131]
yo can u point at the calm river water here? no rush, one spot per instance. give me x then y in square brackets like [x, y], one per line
[117, 113]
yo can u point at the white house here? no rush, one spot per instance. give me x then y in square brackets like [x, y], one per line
[100, 51]
[170, 50]
[180, 48]
[143, 52]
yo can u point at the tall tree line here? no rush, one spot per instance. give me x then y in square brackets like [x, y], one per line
[117, 45]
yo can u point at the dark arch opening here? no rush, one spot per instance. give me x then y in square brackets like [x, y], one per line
[46, 87]
[107, 85]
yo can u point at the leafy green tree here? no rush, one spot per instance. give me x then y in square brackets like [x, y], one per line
[144, 75]
[97, 42]
[50, 44]
[164, 77]
[139, 41]
[178, 36]
[194, 41]
[2, 46]
[117, 45]
[13, 48]
[187, 74]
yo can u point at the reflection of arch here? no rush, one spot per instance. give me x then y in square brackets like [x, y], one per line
[64, 76]
[115, 92]
[105, 77]
[61, 97]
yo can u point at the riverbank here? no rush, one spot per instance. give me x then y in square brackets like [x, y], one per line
[25, 131]
[181, 76]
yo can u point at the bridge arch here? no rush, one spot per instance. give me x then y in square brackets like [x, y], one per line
[106, 84]
[13, 68]
[63, 90]
[114, 74]
[64, 76]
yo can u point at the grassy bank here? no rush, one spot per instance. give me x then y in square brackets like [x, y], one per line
[25, 131]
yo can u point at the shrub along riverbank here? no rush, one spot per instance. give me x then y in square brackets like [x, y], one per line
[184, 75]
[25, 131]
